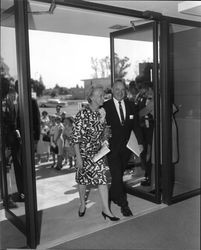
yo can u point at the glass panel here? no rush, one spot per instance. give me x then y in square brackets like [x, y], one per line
[186, 78]
[134, 63]
[11, 139]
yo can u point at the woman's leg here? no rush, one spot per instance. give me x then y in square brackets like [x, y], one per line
[103, 190]
[82, 192]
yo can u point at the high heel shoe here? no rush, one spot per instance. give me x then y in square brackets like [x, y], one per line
[81, 214]
[109, 217]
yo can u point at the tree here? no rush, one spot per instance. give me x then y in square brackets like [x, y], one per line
[95, 66]
[102, 66]
[38, 86]
[53, 93]
[120, 66]
[105, 66]
[4, 69]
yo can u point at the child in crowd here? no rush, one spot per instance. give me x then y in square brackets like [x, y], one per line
[43, 146]
[63, 116]
[69, 152]
[52, 144]
[59, 141]
[45, 117]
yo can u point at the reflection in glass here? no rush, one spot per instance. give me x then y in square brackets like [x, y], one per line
[185, 77]
[11, 133]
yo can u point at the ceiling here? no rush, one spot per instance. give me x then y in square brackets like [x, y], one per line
[83, 22]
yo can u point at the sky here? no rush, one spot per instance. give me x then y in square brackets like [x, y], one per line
[65, 59]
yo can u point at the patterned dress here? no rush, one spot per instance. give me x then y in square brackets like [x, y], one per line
[87, 132]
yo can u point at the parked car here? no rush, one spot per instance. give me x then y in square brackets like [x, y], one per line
[51, 103]
[83, 104]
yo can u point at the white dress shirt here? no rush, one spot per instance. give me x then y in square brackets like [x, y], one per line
[116, 102]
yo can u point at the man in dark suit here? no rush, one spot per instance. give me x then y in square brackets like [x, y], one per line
[35, 116]
[122, 118]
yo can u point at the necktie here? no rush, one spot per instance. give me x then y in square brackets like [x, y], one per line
[121, 113]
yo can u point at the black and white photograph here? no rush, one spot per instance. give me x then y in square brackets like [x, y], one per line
[100, 111]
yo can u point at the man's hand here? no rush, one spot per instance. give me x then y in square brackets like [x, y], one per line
[141, 148]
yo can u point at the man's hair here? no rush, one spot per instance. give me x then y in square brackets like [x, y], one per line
[5, 85]
[142, 82]
[119, 80]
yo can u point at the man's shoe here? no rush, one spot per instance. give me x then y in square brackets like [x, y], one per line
[146, 182]
[18, 197]
[126, 211]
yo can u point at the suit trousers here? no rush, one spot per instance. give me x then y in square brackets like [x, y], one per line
[17, 160]
[118, 162]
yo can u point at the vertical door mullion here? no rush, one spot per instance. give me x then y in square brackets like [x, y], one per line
[112, 57]
[166, 112]
[21, 21]
[156, 138]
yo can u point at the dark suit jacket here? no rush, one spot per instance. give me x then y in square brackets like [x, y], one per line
[121, 134]
[35, 120]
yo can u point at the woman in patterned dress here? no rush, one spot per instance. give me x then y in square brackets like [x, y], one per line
[88, 135]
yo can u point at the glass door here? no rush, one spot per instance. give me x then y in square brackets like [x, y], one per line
[134, 57]
[184, 80]
[18, 190]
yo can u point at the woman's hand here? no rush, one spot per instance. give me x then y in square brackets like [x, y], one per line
[107, 133]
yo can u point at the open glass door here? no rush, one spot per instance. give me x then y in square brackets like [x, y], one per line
[18, 193]
[134, 53]
[182, 176]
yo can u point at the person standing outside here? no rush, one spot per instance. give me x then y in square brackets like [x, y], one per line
[58, 111]
[59, 141]
[122, 119]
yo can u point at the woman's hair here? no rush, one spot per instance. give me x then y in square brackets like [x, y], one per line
[92, 91]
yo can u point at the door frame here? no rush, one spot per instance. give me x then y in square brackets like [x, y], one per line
[23, 63]
[154, 26]
[29, 226]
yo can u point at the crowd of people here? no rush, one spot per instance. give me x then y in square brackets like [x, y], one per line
[56, 130]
